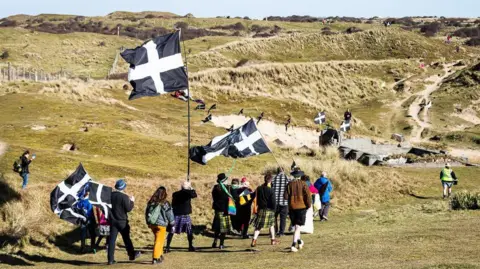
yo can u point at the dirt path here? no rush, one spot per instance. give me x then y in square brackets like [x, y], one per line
[3, 148]
[415, 108]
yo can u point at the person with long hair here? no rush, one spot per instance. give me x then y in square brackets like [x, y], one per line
[159, 216]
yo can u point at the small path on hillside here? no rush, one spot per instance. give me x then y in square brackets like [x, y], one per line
[3, 148]
[415, 108]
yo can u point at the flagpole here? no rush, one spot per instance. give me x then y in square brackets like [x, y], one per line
[271, 151]
[188, 105]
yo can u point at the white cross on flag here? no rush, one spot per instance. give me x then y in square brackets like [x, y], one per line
[156, 67]
[320, 118]
[345, 126]
[242, 142]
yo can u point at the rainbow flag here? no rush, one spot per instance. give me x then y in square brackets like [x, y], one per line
[232, 210]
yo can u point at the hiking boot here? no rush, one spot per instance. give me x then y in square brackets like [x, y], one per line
[191, 249]
[254, 243]
[300, 244]
[112, 262]
[222, 247]
[135, 256]
[293, 249]
[246, 236]
[156, 261]
[280, 235]
[274, 242]
[214, 245]
[167, 250]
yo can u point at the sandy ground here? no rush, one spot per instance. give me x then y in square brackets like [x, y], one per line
[295, 137]
[3, 148]
[468, 115]
[472, 155]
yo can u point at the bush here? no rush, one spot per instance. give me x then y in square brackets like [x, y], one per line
[102, 44]
[352, 30]
[8, 23]
[257, 28]
[181, 25]
[150, 16]
[4, 55]
[242, 62]
[431, 29]
[246, 18]
[473, 41]
[465, 201]
[467, 32]
[233, 27]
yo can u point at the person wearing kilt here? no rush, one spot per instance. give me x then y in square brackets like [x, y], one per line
[223, 205]
[182, 208]
[265, 217]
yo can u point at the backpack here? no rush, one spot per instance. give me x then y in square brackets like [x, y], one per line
[153, 213]
[17, 165]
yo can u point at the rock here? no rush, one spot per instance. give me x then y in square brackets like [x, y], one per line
[278, 142]
[435, 138]
[38, 127]
[70, 147]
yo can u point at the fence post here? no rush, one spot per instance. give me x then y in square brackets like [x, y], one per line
[9, 71]
[36, 77]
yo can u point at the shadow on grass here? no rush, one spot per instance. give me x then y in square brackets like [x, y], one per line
[66, 242]
[422, 197]
[45, 259]
[7, 193]
[13, 261]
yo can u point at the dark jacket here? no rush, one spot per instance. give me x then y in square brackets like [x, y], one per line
[220, 198]
[182, 202]
[121, 205]
[25, 163]
[347, 116]
[265, 198]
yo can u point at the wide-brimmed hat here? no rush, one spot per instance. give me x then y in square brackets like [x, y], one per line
[297, 173]
[222, 178]
[120, 185]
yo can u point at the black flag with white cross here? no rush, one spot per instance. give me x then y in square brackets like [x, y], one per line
[345, 126]
[156, 67]
[242, 142]
[320, 118]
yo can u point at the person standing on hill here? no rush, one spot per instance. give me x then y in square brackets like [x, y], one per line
[160, 218]
[299, 200]
[266, 211]
[448, 178]
[182, 208]
[25, 163]
[324, 187]
[121, 206]
[279, 184]
[347, 116]
[223, 203]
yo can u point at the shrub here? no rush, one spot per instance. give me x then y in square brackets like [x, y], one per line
[473, 41]
[8, 23]
[242, 62]
[181, 25]
[467, 32]
[150, 16]
[233, 27]
[257, 28]
[4, 55]
[262, 35]
[246, 18]
[465, 200]
[102, 44]
[352, 30]
[431, 29]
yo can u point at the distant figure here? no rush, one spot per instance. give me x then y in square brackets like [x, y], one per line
[299, 200]
[103, 227]
[265, 217]
[24, 167]
[448, 178]
[122, 204]
[457, 49]
[287, 123]
[324, 187]
[182, 208]
[449, 38]
[159, 216]
[260, 118]
[279, 185]
[348, 115]
[222, 196]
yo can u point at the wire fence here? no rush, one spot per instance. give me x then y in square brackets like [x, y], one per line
[18, 73]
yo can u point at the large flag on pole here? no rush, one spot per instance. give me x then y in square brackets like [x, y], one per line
[242, 142]
[156, 67]
[64, 198]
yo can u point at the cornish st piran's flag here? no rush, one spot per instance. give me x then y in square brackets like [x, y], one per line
[156, 67]
[64, 198]
[345, 126]
[242, 142]
[320, 118]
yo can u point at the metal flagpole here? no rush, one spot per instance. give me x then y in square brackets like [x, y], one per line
[188, 105]
[271, 151]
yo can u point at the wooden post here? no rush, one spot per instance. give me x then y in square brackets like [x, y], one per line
[9, 71]
[118, 30]
[36, 76]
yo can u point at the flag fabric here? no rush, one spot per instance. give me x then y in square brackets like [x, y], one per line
[243, 142]
[207, 119]
[214, 106]
[231, 128]
[156, 67]
[66, 194]
[241, 112]
[321, 118]
[200, 107]
[345, 126]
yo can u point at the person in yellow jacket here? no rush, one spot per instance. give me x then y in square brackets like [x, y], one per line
[448, 177]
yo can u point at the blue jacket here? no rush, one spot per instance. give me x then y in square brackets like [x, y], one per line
[324, 187]
[86, 207]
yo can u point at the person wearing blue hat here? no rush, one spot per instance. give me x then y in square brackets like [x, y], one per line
[121, 205]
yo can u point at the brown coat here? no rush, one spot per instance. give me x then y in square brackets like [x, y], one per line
[298, 195]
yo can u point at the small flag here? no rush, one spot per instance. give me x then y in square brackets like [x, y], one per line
[241, 112]
[214, 106]
[243, 142]
[260, 118]
[345, 126]
[293, 166]
[200, 107]
[207, 119]
[231, 128]
[156, 67]
[321, 118]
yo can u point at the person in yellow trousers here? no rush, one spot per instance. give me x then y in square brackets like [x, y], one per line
[160, 218]
[448, 178]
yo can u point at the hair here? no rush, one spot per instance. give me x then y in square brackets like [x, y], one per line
[159, 197]
[26, 152]
[268, 178]
[305, 178]
[279, 170]
[235, 181]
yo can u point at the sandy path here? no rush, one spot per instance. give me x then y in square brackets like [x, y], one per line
[415, 108]
[472, 155]
[3, 148]
[295, 137]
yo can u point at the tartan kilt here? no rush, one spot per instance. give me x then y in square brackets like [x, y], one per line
[221, 223]
[264, 219]
[183, 224]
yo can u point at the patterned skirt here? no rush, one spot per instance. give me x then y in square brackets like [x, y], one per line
[221, 223]
[183, 224]
[264, 219]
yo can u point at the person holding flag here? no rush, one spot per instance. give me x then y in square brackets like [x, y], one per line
[224, 206]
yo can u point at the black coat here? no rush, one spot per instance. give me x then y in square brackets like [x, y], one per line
[182, 202]
[25, 163]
